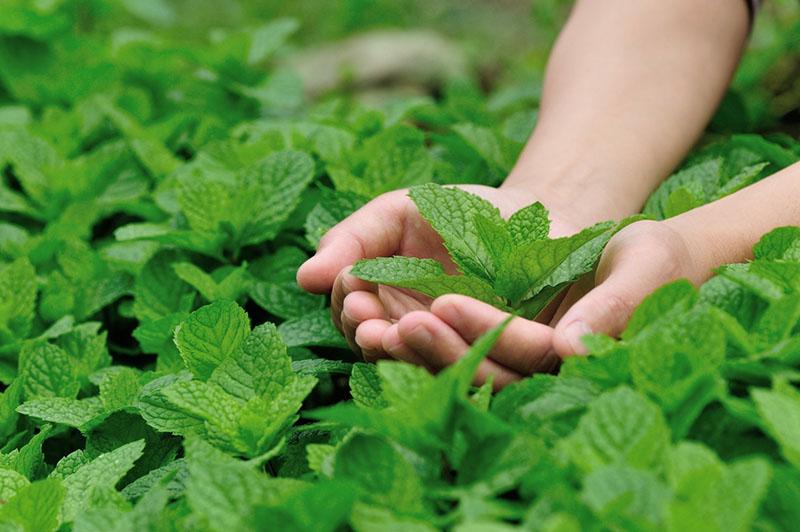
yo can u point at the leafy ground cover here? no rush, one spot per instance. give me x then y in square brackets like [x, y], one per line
[161, 369]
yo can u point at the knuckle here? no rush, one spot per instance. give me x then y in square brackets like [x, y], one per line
[617, 305]
[659, 244]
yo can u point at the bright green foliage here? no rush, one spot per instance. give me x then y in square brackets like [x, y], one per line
[35, 506]
[619, 428]
[244, 393]
[210, 335]
[163, 174]
[780, 410]
[718, 170]
[511, 264]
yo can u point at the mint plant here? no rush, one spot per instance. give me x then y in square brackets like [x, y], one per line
[512, 264]
[160, 368]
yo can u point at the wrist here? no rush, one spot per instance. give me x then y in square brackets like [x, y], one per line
[708, 245]
[576, 192]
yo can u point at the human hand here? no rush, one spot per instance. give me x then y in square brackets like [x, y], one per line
[390, 225]
[637, 260]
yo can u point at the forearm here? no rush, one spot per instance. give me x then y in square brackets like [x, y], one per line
[628, 90]
[726, 230]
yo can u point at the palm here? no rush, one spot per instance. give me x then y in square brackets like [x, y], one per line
[420, 240]
[389, 225]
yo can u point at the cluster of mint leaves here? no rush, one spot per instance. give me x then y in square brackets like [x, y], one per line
[162, 370]
[512, 264]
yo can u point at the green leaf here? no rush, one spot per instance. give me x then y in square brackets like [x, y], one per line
[780, 410]
[551, 263]
[529, 224]
[158, 291]
[423, 275]
[782, 243]
[489, 145]
[392, 159]
[621, 427]
[260, 366]
[332, 501]
[78, 413]
[638, 495]
[119, 388]
[708, 491]
[400, 382]
[10, 483]
[18, 290]
[312, 329]
[161, 414]
[218, 410]
[10, 399]
[681, 200]
[210, 335]
[660, 307]
[48, 371]
[36, 507]
[384, 475]
[222, 493]
[365, 386]
[286, 300]
[333, 207]
[271, 191]
[451, 212]
[98, 477]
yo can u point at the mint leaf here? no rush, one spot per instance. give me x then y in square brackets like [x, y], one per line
[78, 413]
[285, 300]
[210, 335]
[48, 371]
[260, 366]
[638, 495]
[392, 159]
[529, 224]
[312, 329]
[451, 212]
[551, 263]
[10, 483]
[512, 265]
[423, 275]
[381, 472]
[620, 428]
[272, 190]
[780, 411]
[97, 478]
[365, 386]
[18, 290]
[35, 506]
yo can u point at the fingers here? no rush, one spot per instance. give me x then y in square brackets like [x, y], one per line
[393, 344]
[572, 295]
[374, 230]
[525, 346]
[639, 259]
[424, 335]
[359, 307]
[346, 284]
[367, 338]
[605, 309]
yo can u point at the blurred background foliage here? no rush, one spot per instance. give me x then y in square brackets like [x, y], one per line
[494, 43]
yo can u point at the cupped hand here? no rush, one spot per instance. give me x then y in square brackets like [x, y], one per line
[637, 260]
[386, 226]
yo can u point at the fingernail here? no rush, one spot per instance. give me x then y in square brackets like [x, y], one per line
[419, 336]
[574, 332]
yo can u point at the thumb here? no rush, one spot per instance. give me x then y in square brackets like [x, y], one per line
[372, 231]
[605, 309]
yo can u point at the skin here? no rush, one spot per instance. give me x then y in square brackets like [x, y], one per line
[628, 90]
